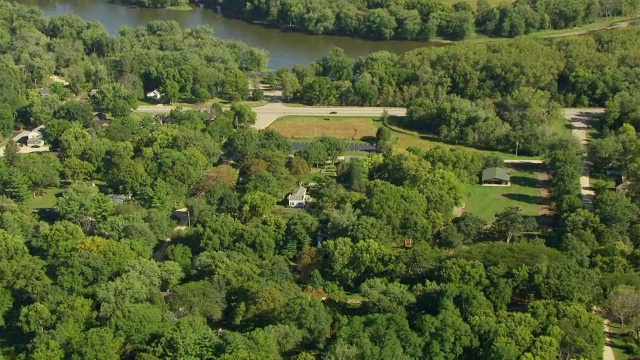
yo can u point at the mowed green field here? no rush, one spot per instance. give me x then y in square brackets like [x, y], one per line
[524, 193]
[47, 199]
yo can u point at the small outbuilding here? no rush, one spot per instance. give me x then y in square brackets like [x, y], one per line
[44, 91]
[496, 176]
[299, 198]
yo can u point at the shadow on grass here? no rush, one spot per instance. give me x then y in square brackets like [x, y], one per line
[528, 199]
[368, 139]
[544, 221]
[525, 181]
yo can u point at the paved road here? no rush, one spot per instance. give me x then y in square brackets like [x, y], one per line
[269, 113]
[523, 161]
[580, 119]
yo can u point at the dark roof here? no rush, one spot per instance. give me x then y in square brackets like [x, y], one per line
[101, 116]
[496, 173]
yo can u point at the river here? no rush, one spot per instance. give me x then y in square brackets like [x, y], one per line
[286, 48]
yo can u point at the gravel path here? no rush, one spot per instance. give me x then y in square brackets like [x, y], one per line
[608, 350]
[580, 124]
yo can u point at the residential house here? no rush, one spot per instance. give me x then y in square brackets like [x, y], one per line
[101, 120]
[183, 216]
[622, 184]
[496, 177]
[299, 198]
[119, 198]
[34, 139]
[154, 95]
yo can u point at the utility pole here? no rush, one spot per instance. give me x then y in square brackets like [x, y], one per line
[517, 143]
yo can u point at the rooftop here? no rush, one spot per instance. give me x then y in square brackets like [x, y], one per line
[299, 194]
[496, 173]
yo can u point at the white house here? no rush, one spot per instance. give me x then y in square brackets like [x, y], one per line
[299, 198]
[34, 139]
[155, 95]
[119, 198]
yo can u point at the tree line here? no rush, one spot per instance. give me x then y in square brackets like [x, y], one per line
[424, 19]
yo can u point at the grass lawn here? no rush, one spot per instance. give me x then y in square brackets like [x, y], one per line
[316, 176]
[524, 193]
[619, 342]
[47, 200]
[354, 129]
[560, 125]
[180, 7]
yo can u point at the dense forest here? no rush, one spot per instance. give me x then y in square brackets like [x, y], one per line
[488, 95]
[424, 19]
[168, 238]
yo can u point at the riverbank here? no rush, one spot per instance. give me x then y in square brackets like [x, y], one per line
[608, 23]
[286, 49]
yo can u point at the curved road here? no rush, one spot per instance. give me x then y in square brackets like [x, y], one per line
[269, 113]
